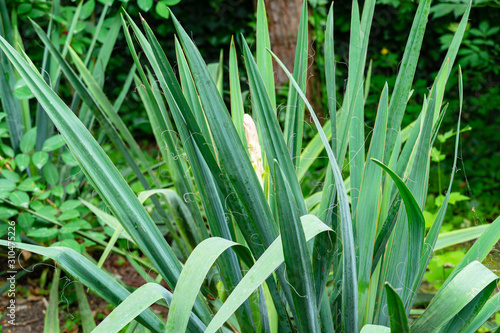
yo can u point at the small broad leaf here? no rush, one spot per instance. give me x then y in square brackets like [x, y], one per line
[24, 8]
[22, 91]
[453, 199]
[68, 215]
[10, 175]
[68, 158]
[29, 184]
[171, 2]
[145, 5]
[51, 174]
[53, 143]
[8, 151]
[43, 233]
[6, 213]
[25, 221]
[70, 204]
[22, 161]
[20, 198]
[75, 226]
[28, 141]
[6, 186]
[71, 243]
[39, 159]
[87, 9]
[162, 9]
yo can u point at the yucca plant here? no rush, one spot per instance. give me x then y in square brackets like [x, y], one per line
[329, 262]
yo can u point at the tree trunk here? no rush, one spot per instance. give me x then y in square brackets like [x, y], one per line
[284, 18]
[283, 21]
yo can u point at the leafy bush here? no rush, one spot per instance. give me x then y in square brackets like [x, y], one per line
[327, 262]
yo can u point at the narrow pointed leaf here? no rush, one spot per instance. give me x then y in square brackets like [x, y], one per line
[396, 310]
[296, 254]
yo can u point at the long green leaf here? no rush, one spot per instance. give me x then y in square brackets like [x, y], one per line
[375, 329]
[139, 301]
[233, 155]
[406, 73]
[294, 121]
[189, 90]
[264, 59]
[108, 109]
[489, 309]
[349, 279]
[163, 130]
[396, 310]
[274, 143]
[51, 324]
[462, 289]
[370, 200]
[196, 268]
[432, 236]
[88, 323]
[237, 110]
[455, 237]
[296, 254]
[91, 103]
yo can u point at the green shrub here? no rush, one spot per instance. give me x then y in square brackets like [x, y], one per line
[328, 262]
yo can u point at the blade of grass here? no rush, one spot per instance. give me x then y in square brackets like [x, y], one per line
[375, 329]
[396, 310]
[462, 319]
[196, 268]
[163, 130]
[189, 90]
[405, 76]
[10, 104]
[323, 248]
[237, 110]
[92, 104]
[109, 111]
[88, 323]
[355, 101]
[51, 324]
[264, 59]
[296, 254]
[370, 199]
[109, 246]
[294, 121]
[180, 212]
[453, 297]
[432, 235]
[488, 310]
[455, 237]
[110, 220]
[138, 301]
[42, 119]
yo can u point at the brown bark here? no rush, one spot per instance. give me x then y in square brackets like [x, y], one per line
[283, 21]
[284, 18]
